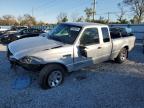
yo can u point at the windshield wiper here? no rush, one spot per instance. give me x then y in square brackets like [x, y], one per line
[54, 38]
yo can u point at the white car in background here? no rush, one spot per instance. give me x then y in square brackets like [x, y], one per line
[4, 28]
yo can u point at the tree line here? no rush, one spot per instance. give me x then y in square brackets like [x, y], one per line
[136, 7]
[25, 20]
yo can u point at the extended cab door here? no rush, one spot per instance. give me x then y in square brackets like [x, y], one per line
[89, 50]
[106, 48]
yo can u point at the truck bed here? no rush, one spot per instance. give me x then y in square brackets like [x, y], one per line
[119, 43]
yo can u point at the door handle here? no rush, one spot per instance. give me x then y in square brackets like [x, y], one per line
[99, 48]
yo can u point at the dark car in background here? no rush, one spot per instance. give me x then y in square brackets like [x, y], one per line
[13, 29]
[17, 28]
[118, 32]
[23, 33]
[2, 32]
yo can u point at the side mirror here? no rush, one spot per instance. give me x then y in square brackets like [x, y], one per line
[82, 50]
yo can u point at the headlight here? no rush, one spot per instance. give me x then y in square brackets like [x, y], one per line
[18, 36]
[30, 60]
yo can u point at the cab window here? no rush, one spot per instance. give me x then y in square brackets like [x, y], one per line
[105, 33]
[24, 31]
[90, 36]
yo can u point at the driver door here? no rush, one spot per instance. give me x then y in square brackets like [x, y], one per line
[89, 51]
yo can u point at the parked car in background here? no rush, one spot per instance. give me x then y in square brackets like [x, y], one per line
[24, 33]
[2, 32]
[3, 28]
[16, 29]
[13, 29]
[117, 32]
[67, 48]
[49, 28]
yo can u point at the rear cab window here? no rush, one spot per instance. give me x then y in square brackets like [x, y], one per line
[105, 33]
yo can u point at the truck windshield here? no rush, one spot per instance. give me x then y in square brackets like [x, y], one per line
[65, 33]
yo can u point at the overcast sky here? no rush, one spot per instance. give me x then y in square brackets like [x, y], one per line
[47, 10]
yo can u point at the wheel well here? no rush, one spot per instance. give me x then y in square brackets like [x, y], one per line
[126, 47]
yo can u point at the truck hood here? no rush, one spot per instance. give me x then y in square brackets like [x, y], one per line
[27, 46]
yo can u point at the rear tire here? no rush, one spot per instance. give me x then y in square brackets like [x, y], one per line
[122, 57]
[51, 76]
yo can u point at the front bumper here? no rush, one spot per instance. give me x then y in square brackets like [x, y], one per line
[14, 63]
[30, 67]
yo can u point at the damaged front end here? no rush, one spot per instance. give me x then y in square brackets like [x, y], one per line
[28, 63]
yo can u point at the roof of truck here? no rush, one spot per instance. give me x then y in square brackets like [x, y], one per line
[84, 24]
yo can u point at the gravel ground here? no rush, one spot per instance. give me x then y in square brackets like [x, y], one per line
[105, 85]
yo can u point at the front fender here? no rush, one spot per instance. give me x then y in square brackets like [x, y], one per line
[67, 65]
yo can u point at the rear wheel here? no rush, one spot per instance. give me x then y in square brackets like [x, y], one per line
[122, 56]
[51, 76]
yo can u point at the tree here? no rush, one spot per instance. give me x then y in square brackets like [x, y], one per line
[80, 19]
[76, 18]
[41, 23]
[20, 19]
[8, 20]
[137, 6]
[134, 20]
[62, 17]
[27, 20]
[101, 20]
[89, 13]
[121, 18]
[65, 19]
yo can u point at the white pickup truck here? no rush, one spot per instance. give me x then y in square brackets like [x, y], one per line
[67, 48]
